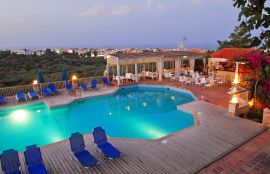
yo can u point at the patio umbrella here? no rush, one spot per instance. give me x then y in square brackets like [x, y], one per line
[40, 77]
[64, 75]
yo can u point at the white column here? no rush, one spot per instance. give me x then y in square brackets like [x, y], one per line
[107, 71]
[237, 67]
[266, 117]
[126, 69]
[204, 61]
[160, 67]
[192, 63]
[177, 63]
[118, 74]
[180, 66]
[107, 68]
[136, 72]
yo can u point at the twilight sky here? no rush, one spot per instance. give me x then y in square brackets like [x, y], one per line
[114, 23]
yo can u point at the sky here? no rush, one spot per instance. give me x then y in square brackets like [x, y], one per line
[115, 23]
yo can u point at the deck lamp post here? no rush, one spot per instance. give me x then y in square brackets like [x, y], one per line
[35, 85]
[236, 79]
[234, 107]
[74, 81]
[234, 103]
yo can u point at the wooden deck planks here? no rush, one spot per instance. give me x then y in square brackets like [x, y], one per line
[185, 152]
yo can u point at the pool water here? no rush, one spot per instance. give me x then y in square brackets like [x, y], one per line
[132, 112]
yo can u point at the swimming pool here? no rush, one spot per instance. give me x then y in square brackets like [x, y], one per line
[136, 112]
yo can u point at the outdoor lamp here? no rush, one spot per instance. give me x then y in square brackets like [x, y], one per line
[74, 77]
[236, 79]
[234, 99]
[251, 102]
[35, 82]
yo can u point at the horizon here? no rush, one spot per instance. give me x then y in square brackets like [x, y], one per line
[138, 46]
[100, 24]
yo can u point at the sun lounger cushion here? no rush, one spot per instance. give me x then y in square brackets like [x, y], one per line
[84, 86]
[33, 160]
[93, 84]
[10, 162]
[2, 100]
[33, 95]
[46, 92]
[53, 89]
[20, 96]
[106, 148]
[78, 148]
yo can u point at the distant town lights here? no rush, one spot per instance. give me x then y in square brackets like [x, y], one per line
[70, 51]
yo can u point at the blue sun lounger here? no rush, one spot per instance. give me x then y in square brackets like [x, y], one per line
[33, 160]
[69, 87]
[46, 92]
[53, 89]
[78, 148]
[93, 84]
[84, 87]
[2, 100]
[33, 95]
[104, 146]
[106, 81]
[10, 162]
[20, 96]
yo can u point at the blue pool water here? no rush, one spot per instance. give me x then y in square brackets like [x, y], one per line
[132, 112]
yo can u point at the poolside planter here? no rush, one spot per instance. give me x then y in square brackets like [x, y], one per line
[235, 109]
[266, 117]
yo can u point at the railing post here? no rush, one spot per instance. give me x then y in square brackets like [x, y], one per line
[266, 117]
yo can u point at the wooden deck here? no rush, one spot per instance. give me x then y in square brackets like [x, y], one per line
[185, 152]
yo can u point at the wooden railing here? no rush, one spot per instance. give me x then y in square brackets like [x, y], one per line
[60, 85]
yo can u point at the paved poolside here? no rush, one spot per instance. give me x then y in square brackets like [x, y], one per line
[251, 158]
[187, 151]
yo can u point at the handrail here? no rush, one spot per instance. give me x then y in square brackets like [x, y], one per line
[12, 91]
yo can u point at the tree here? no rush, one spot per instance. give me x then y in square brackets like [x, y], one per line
[255, 16]
[266, 46]
[22, 69]
[259, 78]
[95, 53]
[238, 39]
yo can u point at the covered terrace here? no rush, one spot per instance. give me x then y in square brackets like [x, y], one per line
[155, 65]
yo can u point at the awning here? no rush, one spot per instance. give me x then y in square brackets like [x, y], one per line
[217, 60]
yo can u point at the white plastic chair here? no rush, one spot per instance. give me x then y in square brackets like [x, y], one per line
[197, 83]
[220, 83]
[203, 81]
[210, 85]
[183, 79]
[189, 81]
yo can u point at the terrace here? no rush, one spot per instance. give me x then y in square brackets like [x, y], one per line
[186, 151]
[215, 135]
